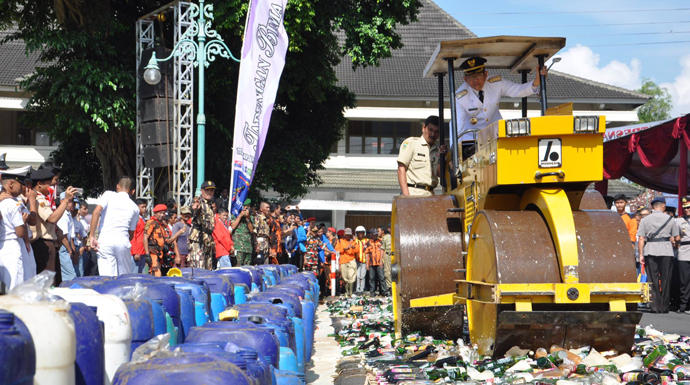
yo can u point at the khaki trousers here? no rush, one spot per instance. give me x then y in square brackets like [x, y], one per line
[349, 271]
[419, 192]
[387, 270]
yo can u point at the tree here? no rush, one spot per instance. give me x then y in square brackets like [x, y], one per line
[87, 80]
[658, 107]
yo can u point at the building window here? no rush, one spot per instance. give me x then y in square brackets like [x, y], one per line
[379, 137]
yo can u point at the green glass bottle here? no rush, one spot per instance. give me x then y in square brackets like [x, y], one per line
[657, 354]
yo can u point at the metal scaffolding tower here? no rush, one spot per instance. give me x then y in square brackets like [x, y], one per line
[145, 35]
[183, 92]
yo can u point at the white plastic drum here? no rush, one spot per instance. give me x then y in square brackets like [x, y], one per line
[52, 331]
[118, 327]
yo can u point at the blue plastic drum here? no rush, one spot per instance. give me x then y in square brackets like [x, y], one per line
[90, 363]
[185, 369]
[18, 354]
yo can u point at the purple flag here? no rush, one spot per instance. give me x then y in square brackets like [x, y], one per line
[262, 63]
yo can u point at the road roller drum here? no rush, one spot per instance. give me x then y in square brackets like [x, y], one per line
[516, 247]
[428, 260]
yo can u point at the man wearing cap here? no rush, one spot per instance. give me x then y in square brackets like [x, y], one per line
[375, 263]
[387, 247]
[418, 160]
[242, 229]
[12, 229]
[684, 256]
[361, 258]
[3, 165]
[69, 258]
[139, 254]
[658, 234]
[44, 237]
[50, 166]
[181, 245]
[29, 209]
[262, 229]
[301, 234]
[154, 238]
[202, 248]
[348, 266]
[115, 219]
[477, 99]
[631, 224]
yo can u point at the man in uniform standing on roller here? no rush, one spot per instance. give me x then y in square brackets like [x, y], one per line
[658, 233]
[477, 99]
[418, 160]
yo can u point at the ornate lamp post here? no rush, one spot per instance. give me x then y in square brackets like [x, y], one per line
[202, 54]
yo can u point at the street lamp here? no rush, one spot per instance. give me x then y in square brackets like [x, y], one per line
[201, 55]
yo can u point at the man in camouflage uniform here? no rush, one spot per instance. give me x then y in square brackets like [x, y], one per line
[242, 229]
[262, 228]
[202, 248]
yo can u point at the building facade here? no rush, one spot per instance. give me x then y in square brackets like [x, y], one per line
[393, 100]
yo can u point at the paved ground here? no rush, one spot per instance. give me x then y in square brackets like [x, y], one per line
[669, 323]
[326, 351]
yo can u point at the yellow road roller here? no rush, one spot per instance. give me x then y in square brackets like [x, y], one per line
[515, 240]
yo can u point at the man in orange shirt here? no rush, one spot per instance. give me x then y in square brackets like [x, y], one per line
[154, 238]
[348, 266]
[374, 254]
[631, 224]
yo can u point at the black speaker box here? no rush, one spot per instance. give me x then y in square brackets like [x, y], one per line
[152, 110]
[157, 132]
[147, 91]
[158, 156]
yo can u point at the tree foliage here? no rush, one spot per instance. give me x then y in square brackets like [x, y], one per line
[86, 82]
[657, 108]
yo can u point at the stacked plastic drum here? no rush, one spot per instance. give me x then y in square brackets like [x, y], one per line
[252, 325]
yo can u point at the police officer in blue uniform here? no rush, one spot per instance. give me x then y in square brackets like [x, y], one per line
[478, 97]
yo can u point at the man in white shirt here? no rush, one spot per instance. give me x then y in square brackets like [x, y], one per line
[11, 229]
[477, 99]
[119, 220]
[66, 241]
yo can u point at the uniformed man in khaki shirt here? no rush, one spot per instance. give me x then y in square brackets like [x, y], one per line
[44, 240]
[684, 257]
[418, 160]
[658, 234]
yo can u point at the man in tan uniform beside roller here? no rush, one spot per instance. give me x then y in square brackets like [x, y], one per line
[418, 160]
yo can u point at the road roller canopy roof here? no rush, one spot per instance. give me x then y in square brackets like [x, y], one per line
[515, 53]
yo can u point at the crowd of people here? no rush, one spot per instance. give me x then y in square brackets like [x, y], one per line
[661, 242]
[42, 230]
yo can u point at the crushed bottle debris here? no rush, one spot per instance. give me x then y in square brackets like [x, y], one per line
[364, 327]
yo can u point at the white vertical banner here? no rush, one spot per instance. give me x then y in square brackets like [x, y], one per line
[263, 59]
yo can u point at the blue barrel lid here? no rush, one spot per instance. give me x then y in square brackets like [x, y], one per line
[238, 275]
[184, 368]
[138, 277]
[242, 333]
[154, 291]
[278, 296]
[85, 282]
[6, 320]
[261, 307]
